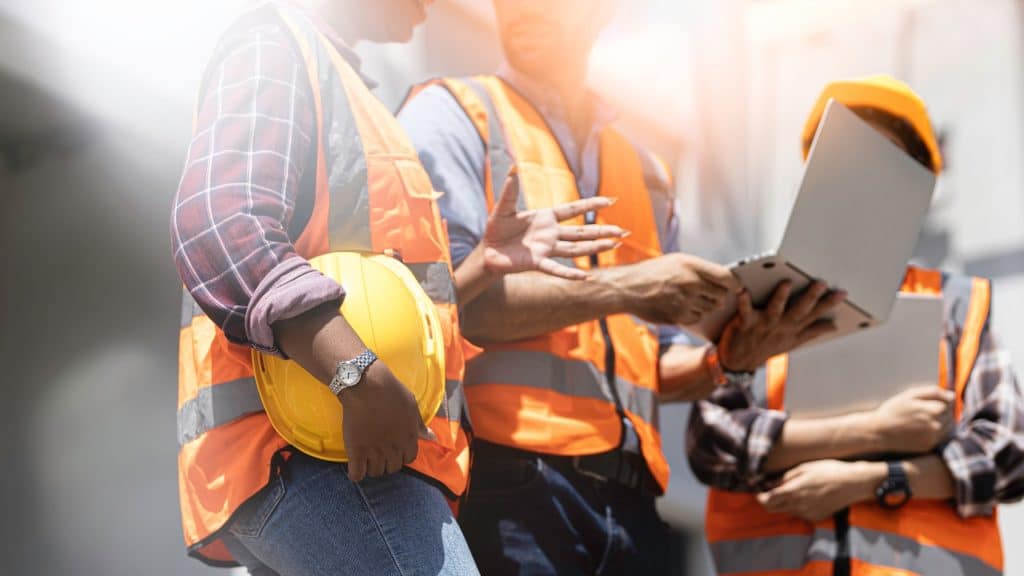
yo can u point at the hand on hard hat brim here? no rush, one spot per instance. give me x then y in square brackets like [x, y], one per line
[530, 240]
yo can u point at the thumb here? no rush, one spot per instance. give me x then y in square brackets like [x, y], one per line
[507, 204]
[718, 274]
[424, 432]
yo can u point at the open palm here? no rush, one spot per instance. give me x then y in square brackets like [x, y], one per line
[521, 241]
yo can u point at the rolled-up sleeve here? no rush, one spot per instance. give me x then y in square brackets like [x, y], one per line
[729, 438]
[986, 454]
[237, 195]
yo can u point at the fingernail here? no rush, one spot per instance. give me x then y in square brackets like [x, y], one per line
[625, 234]
[613, 200]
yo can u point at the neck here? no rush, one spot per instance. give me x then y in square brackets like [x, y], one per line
[571, 87]
[342, 16]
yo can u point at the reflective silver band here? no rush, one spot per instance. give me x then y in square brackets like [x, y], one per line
[217, 405]
[544, 370]
[785, 552]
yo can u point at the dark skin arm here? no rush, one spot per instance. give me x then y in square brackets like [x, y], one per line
[382, 422]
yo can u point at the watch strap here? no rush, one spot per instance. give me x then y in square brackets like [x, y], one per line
[360, 363]
[896, 482]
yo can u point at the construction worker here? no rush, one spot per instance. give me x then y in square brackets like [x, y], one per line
[292, 158]
[910, 487]
[563, 395]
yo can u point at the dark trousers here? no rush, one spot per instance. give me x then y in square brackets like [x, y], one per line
[527, 515]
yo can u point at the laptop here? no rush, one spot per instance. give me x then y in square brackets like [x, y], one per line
[861, 371]
[858, 212]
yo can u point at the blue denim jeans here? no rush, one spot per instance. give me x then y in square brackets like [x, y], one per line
[313, 521]
[524, 518]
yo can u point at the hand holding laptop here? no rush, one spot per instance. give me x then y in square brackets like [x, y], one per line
[676, 288]
[854, 224]
[755, 335]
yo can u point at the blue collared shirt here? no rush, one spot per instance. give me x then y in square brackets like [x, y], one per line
[450, 149]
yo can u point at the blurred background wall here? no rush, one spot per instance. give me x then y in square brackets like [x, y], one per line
[95, 106]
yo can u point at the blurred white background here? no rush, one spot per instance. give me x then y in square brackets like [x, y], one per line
[95, 112]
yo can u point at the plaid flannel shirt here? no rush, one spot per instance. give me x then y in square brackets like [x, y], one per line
[730, 435]
[232, 223]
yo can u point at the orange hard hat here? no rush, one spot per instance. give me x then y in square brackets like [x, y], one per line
[881, 92]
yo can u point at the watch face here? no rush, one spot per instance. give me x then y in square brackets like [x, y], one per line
[349, 374]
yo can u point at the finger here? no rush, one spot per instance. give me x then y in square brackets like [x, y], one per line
[508, 202]
[375, 465]
[553, 268]
[816, 330]
[590, 232]
[826, 305]
[718, 275]
[425, 433]
[932, 392]
[806, 302]
[777, 305]
[394, 462]
[745, 310]
[356, 466]
[792, 474]
[565, 249]
[564, 212]
[774, 501]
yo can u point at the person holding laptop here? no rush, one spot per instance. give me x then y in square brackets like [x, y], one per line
[909, 487]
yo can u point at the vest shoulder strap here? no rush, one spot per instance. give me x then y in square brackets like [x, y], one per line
[472, 96]
[968, 305]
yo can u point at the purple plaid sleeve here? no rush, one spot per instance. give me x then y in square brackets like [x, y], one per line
[729, 438]
[238, 191]
[986, 454]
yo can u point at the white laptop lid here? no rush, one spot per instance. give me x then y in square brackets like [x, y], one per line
[859, 211]
[862, 370]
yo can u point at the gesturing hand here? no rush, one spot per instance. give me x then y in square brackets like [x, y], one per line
[382, 424]
[521, 241]
[753, 336]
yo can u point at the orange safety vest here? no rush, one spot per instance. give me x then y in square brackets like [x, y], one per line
[371, 195]
[566, 392]
[925, 537]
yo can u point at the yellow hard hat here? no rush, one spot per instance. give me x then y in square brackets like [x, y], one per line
[394, 317]
[881, 92]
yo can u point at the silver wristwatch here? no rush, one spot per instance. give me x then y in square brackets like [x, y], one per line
[350, 372]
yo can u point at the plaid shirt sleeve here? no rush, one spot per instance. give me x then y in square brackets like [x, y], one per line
[237, 195]
[729, 438]
[986, 454]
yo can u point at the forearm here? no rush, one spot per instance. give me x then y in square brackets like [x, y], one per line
[840, 437]
[526, 305]
[472, 277]
[684, 375]
[318, 340]
[928, 476]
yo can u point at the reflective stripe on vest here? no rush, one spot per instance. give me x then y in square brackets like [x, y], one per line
[774, 553]
[370, 194]
[551, 394]
[924, 537]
